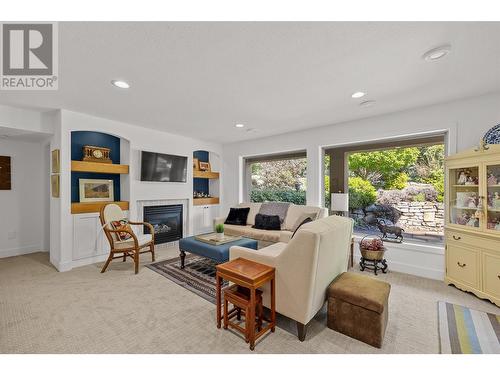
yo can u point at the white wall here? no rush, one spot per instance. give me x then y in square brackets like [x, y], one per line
[139, 138]
[24, 210]
[465, 121]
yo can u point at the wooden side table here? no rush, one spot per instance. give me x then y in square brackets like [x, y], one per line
[251, 275]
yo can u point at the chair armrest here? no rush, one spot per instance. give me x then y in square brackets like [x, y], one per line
[151, 229]
[255, 255]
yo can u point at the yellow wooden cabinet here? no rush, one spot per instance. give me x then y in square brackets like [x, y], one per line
[472, 226]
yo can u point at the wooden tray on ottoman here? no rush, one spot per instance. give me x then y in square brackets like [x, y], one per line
[212, 239]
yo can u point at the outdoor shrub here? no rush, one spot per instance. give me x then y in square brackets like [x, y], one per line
[399, 182]
[414, 192]
[420, 197]
[361, 193]
[278, 195]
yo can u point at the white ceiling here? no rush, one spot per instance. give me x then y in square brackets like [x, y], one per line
[199, 79]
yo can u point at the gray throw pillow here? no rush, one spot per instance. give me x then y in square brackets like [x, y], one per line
[312, 215]
[275, 208]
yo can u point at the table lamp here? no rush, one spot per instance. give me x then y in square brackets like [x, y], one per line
[340, 202]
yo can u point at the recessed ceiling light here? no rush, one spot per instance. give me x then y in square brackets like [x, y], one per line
[367, 103]
[239, 125]
[358, 94]
[437, 53]
[120, 84]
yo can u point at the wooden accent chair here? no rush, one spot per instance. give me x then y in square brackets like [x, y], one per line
[126, 248]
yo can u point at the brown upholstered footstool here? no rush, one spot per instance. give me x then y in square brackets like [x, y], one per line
[358, 307]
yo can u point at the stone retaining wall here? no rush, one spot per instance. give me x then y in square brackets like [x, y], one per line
[415, 216]
[421, 216]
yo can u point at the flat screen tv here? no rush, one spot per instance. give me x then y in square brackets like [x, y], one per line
[163, 167]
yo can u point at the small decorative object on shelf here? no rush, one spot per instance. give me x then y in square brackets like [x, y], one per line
[196, 164]
[372, 254]
[201, 194]
[462, 178]
[390, 229]
[492, 179]
[204, 166]
[96, 154]
[492, 136]
[219, 230]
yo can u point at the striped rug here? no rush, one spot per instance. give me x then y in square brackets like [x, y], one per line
[467, 331]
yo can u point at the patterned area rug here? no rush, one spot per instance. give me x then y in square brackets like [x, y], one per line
[198, 275]
[467, 331]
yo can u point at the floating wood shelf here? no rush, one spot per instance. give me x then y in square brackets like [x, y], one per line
[88, 207]
[205, 174]
[202, 201]
[88, 166]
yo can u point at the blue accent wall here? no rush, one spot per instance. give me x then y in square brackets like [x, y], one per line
[201, 184]
[88, 138]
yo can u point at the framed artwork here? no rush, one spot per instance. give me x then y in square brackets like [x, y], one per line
[196, 164]
[96, 190]
[56, 165]
[54, 185]
[5, 179]
[204, 166]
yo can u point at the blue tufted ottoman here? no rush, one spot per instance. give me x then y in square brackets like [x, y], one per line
[218, 253]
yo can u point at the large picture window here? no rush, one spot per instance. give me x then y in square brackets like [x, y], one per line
[397, 183]
[277, 178]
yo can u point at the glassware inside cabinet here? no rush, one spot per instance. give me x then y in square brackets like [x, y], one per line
[464, 200]
[493, 197]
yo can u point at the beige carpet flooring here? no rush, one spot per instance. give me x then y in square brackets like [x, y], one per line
[83, 311]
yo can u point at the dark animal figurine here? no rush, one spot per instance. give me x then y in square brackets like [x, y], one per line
[390, 229]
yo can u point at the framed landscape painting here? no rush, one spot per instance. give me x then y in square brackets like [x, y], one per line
[96, 190]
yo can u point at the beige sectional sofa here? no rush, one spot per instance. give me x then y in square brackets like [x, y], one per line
[267, 237]
[305, 266]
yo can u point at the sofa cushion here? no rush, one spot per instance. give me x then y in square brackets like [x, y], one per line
[254, 210]
[267, 222]
[305, 221]
[308, 215]
[275, 208]
[256, 234]
[237, 216]
[294, 213]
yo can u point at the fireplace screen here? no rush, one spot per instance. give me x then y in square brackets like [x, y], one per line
[166, 221]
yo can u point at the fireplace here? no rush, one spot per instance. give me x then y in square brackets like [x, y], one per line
[166, 221]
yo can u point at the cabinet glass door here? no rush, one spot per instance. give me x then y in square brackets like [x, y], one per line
[465, 204]
[493, 197]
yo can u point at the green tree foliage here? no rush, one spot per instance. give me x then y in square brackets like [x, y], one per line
[361, 193]
[429, 168]
[381, 168]
[279, 174]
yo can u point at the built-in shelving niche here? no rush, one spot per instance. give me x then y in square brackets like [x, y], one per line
[207, 182]
[118, 171]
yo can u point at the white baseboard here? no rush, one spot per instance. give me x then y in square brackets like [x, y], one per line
[68, 266]
[428, 273]
[4, 253]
